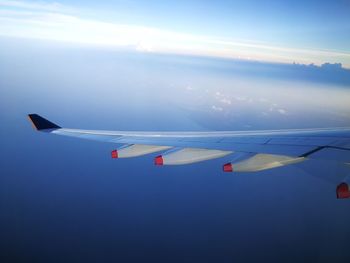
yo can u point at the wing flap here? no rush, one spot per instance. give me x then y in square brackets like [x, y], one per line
[260, 162]
[188, 156]
[135, 150]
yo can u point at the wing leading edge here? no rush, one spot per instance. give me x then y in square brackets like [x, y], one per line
[250, 150]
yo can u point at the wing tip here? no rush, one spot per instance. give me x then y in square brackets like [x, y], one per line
[39, 123]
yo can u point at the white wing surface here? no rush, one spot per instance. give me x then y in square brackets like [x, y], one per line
[250, 150]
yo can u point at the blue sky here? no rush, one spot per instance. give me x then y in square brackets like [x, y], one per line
[273, 31]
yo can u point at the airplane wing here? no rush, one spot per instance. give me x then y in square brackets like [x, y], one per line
[251, 151]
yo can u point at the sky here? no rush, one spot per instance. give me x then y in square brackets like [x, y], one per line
[65, 200]
[181, 66]
[271, 31]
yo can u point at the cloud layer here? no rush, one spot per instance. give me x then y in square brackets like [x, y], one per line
[55, 21]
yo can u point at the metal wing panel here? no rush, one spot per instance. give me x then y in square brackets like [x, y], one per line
[286, 142]
[245, 144]
[341, 142]
[312, 141]
[332, 154]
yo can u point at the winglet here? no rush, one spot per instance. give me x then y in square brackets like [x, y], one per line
[40, 123]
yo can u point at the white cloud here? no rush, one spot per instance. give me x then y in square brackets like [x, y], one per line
[226, 101]
[241, 98]
[216, 108]
[282, 111]
[52, 20]
[274, 108]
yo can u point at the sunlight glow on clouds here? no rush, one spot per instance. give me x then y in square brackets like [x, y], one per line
[54, 21]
